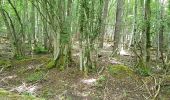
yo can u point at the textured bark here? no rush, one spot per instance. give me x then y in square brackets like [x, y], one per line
[32, 18]
[135, 22]
[147, 28]
[161, 34]
[105, 13]
[118, 25]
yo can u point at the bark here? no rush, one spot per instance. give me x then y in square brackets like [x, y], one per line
[118, 25]
[135, 23]
[147, 29]
[161, 33]
[105, 13]
[32, 18]
[20, 35]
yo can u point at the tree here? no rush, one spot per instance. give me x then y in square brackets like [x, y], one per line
[147, 18]
[17, 34]
[118, 25]
[103, 23]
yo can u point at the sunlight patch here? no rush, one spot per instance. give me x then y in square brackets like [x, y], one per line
[114, 61]
[107, 45]
[89, 81]
[124, 53]
[25, 88]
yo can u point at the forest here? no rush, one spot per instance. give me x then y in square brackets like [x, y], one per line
[84, 49]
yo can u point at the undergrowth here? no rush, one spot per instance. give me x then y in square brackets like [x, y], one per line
[36, 76]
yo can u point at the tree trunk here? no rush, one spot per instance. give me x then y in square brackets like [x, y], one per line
[32, 19]
[134, 36]
[147, 29]
[118, 25]
[161, 33]
[105, 13]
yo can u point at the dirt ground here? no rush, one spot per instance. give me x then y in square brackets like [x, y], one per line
[30, 77]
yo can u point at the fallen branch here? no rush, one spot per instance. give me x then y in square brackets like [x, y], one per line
[1, 69]
[101, 70]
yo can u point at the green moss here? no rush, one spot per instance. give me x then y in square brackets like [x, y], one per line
[120, 71]
[50, 65]
[43, 59]
[5, 95]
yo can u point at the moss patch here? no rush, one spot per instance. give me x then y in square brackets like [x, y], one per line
[5, 95]
[51, 64]
[120, 71]
[28, 60]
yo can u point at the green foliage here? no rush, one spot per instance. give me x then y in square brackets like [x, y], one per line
[19, 57]
[38, 75]
[144, 71]
[40, 50]
[101, 78]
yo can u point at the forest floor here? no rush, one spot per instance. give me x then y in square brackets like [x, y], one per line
[115, 82]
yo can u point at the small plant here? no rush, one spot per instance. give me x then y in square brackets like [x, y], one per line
[144, 71]
[100, 81]
[40, 50]
[101, 78]
[35, 76]
[19, 57]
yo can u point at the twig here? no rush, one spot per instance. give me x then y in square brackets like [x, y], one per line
[101, 70]
[147, 88]
[104, 97]
[1, 69]
[157, 92]
[137, 88]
